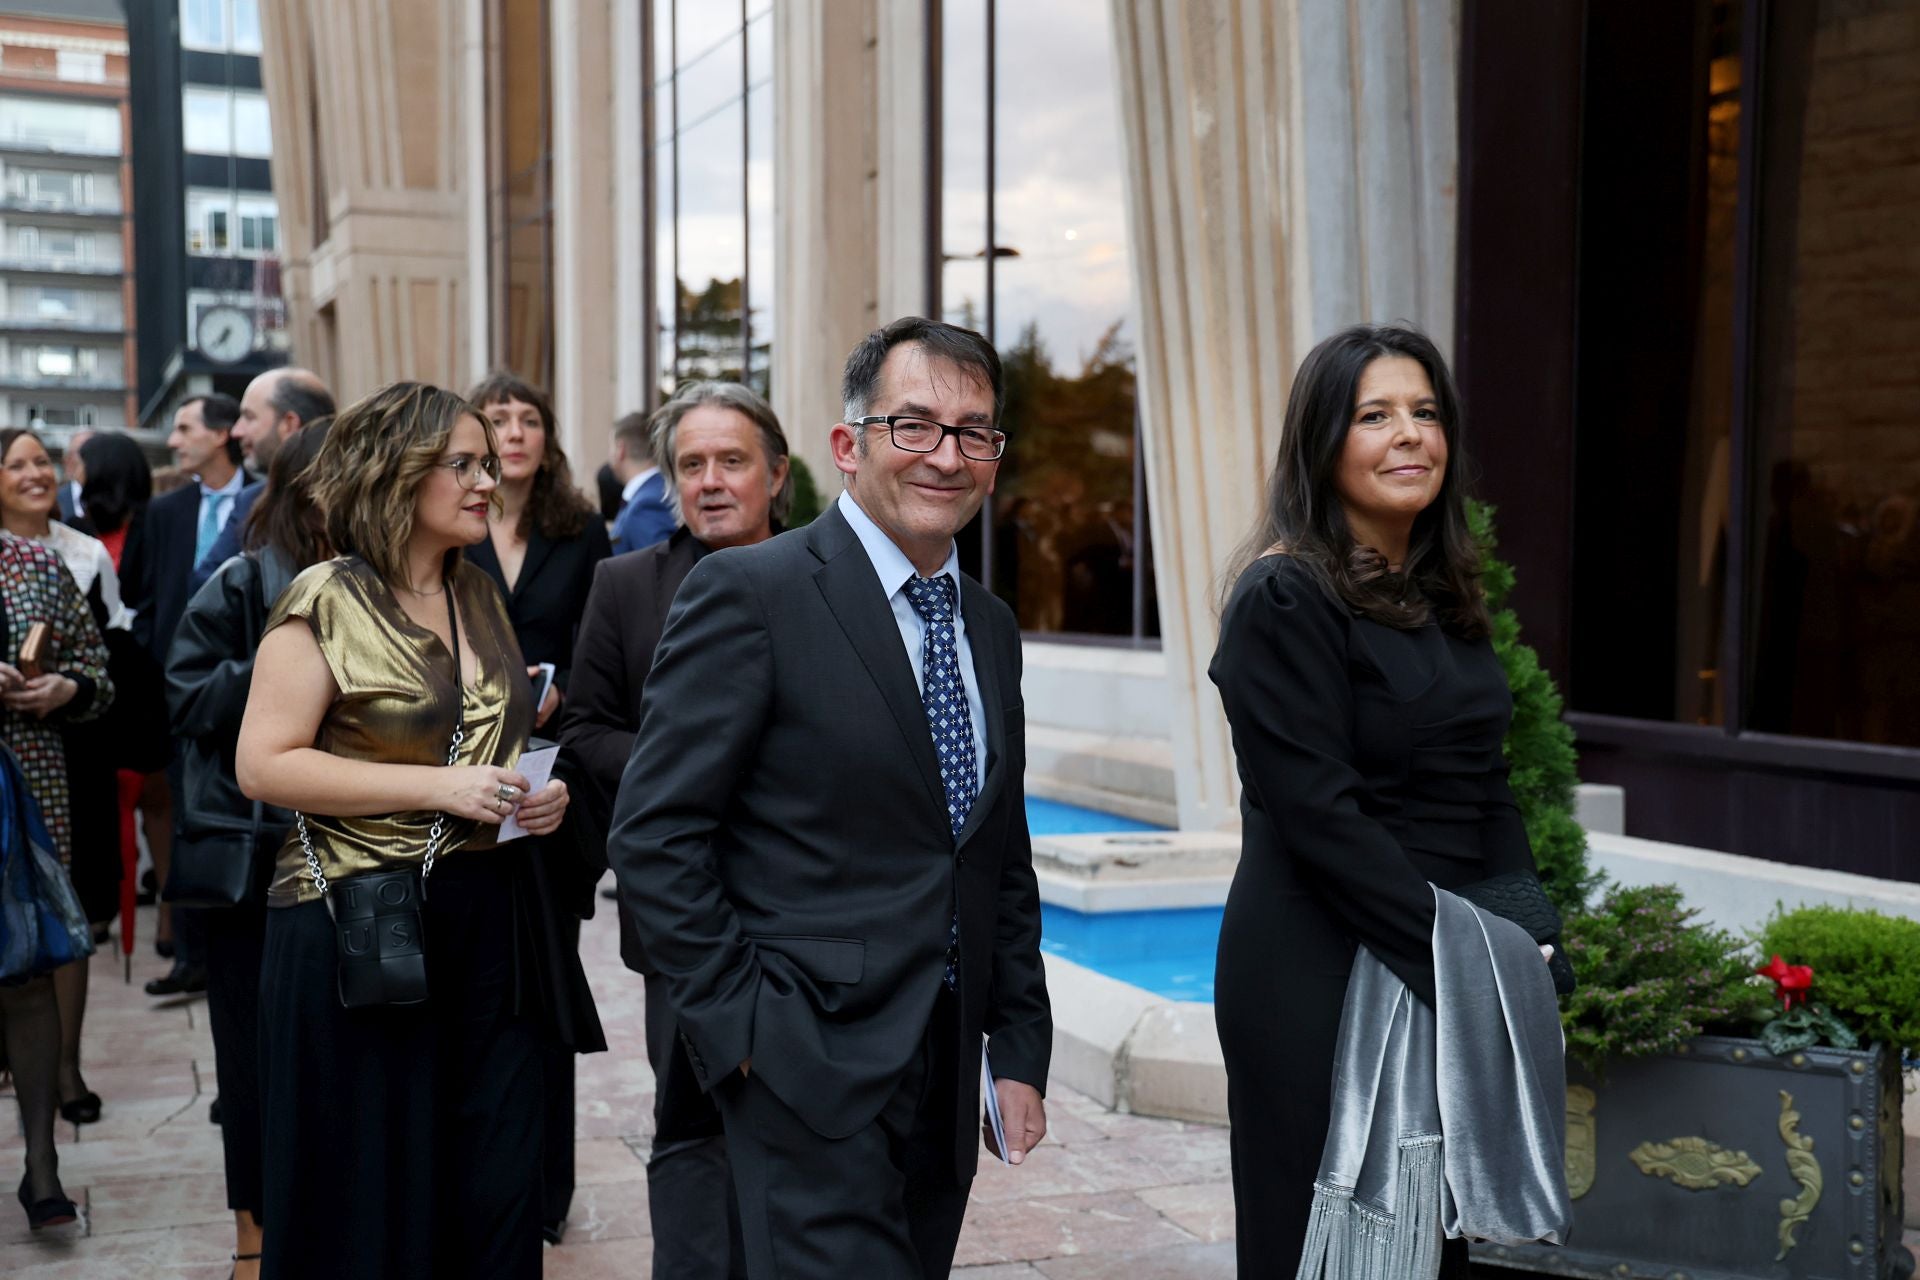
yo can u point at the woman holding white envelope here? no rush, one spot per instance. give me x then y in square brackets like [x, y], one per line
[401, 1074]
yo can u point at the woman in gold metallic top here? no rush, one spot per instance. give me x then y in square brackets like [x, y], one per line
[400, 1140]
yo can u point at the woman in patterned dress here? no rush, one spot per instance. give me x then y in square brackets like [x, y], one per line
[27, 509]
[73, 685]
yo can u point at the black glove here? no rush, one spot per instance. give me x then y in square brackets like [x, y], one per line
[1519, 897]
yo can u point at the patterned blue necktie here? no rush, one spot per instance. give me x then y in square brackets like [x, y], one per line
[943, 690]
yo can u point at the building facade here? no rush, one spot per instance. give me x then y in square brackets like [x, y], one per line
[66, 252]
[1155, 208]
[211, 313]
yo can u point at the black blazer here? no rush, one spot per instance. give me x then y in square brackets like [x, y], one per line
[626, 612]
[781, 837]
[547, 600]
[157, 569]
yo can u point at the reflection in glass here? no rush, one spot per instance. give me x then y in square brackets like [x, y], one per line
[1838, 468]
[1653, 437]
[1068, 546]
[713, 230]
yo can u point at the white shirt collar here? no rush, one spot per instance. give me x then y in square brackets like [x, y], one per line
[237, 483]
[633, 486]
[888, 560]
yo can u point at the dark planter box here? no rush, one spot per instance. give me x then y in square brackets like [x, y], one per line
[1723, 1162]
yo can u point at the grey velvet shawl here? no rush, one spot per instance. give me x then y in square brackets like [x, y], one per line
[1448, 1121]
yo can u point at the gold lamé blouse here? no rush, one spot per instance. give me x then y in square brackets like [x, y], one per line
[396, 706]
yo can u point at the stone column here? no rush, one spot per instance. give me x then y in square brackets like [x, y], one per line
[1290, 169]
[848, 185]
[584, 294]
[367, 102]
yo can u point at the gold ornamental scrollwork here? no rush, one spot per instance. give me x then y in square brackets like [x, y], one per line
[1695, 1164]
[1583, 1147]
[1805, 1170]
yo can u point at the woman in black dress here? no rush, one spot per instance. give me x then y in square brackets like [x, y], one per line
[1368, 711]
[543, 540]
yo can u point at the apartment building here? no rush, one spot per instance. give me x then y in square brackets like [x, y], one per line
[66, 261]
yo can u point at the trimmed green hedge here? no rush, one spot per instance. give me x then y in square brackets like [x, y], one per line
[1539, 746]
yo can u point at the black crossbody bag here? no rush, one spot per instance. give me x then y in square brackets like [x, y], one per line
[377, 925]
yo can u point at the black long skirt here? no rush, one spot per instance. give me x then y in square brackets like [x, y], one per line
[403, 1141]
[1280, 984]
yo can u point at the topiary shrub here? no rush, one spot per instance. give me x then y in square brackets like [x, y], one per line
[1866, 967]
[806, 495]
[1652, 978]
[1539, 746]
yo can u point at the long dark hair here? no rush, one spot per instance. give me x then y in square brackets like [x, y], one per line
[1303, 515]
[119, 481]
[556, 503]
[287, 518]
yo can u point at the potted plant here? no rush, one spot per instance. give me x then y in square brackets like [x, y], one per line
[1732, 1113]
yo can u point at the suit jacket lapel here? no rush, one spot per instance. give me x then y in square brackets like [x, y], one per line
[539, 547]
[986, 670]
[852, 591]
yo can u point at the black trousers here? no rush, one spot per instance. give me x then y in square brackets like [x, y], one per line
[236, 944]
[403, 1141]
[881, 1204]
[556, 1196]
[690, 1195]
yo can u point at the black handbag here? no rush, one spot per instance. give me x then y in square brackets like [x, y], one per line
[215, 868]
[377, 926]
[1519, 896]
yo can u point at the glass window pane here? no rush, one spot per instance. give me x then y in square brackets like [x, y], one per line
[252, 130]
[1067, 544]
[1837, 476]
[712, 246]
[203, 24]
[88, 68]
[666, 290]
[711, 82]
[963, 158]
[760, 212]
[246, 26]
[1653, 444]
[206, 122]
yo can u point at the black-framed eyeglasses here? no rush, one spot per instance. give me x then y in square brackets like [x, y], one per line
[918, 435]
[468, 469]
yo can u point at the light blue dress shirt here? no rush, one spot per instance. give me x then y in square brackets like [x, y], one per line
[893, 568]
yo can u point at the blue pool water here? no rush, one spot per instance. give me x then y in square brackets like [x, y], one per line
[1169, 953]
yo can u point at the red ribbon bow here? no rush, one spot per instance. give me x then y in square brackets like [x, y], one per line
[1791, 982]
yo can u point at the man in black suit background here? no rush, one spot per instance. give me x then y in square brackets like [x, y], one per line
[156, 580]
[726, 453]
[822, 837]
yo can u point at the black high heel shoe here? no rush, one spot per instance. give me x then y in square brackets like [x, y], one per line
[54, 1211]
[239, 1258]
[84, 1109]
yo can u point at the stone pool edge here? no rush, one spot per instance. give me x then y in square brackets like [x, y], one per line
[1132, 1050]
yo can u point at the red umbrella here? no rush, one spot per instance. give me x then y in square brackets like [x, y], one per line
[129, 864]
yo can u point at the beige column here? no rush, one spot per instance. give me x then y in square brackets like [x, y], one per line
[581, 38]
[367, 104]
[848, 174]
[1290, 169]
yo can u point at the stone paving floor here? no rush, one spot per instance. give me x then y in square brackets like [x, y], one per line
[1107, 1195]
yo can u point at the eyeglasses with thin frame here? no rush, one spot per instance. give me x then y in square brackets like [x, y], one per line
[468, 469]
[918, 435]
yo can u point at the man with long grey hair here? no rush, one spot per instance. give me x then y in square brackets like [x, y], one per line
[725, 457]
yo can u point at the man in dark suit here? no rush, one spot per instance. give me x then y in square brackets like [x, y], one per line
[69, 493]
[822, 836]
[725, 447]
[179, 531]
[277, 403]
[646, 504]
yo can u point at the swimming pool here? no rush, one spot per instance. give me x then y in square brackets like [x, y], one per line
[1168, 952]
